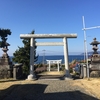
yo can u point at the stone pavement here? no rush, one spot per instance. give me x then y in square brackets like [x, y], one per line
[47, 90]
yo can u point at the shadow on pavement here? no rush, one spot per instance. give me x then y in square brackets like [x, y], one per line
[75, 77]
[60, 77]
[37, 92]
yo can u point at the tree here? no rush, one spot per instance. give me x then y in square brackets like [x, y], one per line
[3, 35]
[22, 55]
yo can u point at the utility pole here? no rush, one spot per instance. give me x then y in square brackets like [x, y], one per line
[85, 48]
[85, 44]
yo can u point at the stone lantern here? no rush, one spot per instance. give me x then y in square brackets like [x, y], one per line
[95, 60]
[95, 45]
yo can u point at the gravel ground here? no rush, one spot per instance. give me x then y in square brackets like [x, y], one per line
[46, 90]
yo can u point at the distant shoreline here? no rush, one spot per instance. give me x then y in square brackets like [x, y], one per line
[57, 57]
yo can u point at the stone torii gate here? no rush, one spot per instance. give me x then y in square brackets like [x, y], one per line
[32, 37]
[54, 62]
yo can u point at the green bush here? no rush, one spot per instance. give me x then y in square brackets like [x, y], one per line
[62, 67]
[40, 65]
[70, 70]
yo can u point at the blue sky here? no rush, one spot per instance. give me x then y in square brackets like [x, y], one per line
[50, 16]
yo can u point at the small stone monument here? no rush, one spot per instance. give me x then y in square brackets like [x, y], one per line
[5, 63]
[95, 60]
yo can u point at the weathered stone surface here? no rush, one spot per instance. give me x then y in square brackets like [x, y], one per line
[5, 67]
[48, 35]
[4, 61]
[95, 74]
[4, 73]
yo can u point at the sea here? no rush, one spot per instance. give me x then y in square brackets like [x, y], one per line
[42, 59]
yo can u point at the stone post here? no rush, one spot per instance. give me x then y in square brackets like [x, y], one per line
[67, 75]
[32, 74]
[14, 72]
[85, 71]
[81, 71]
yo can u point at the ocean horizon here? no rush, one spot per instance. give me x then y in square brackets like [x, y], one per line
[42, 59]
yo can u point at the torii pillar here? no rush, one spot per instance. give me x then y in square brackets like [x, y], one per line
[67, 75]
[32, 43]
[32, 75]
